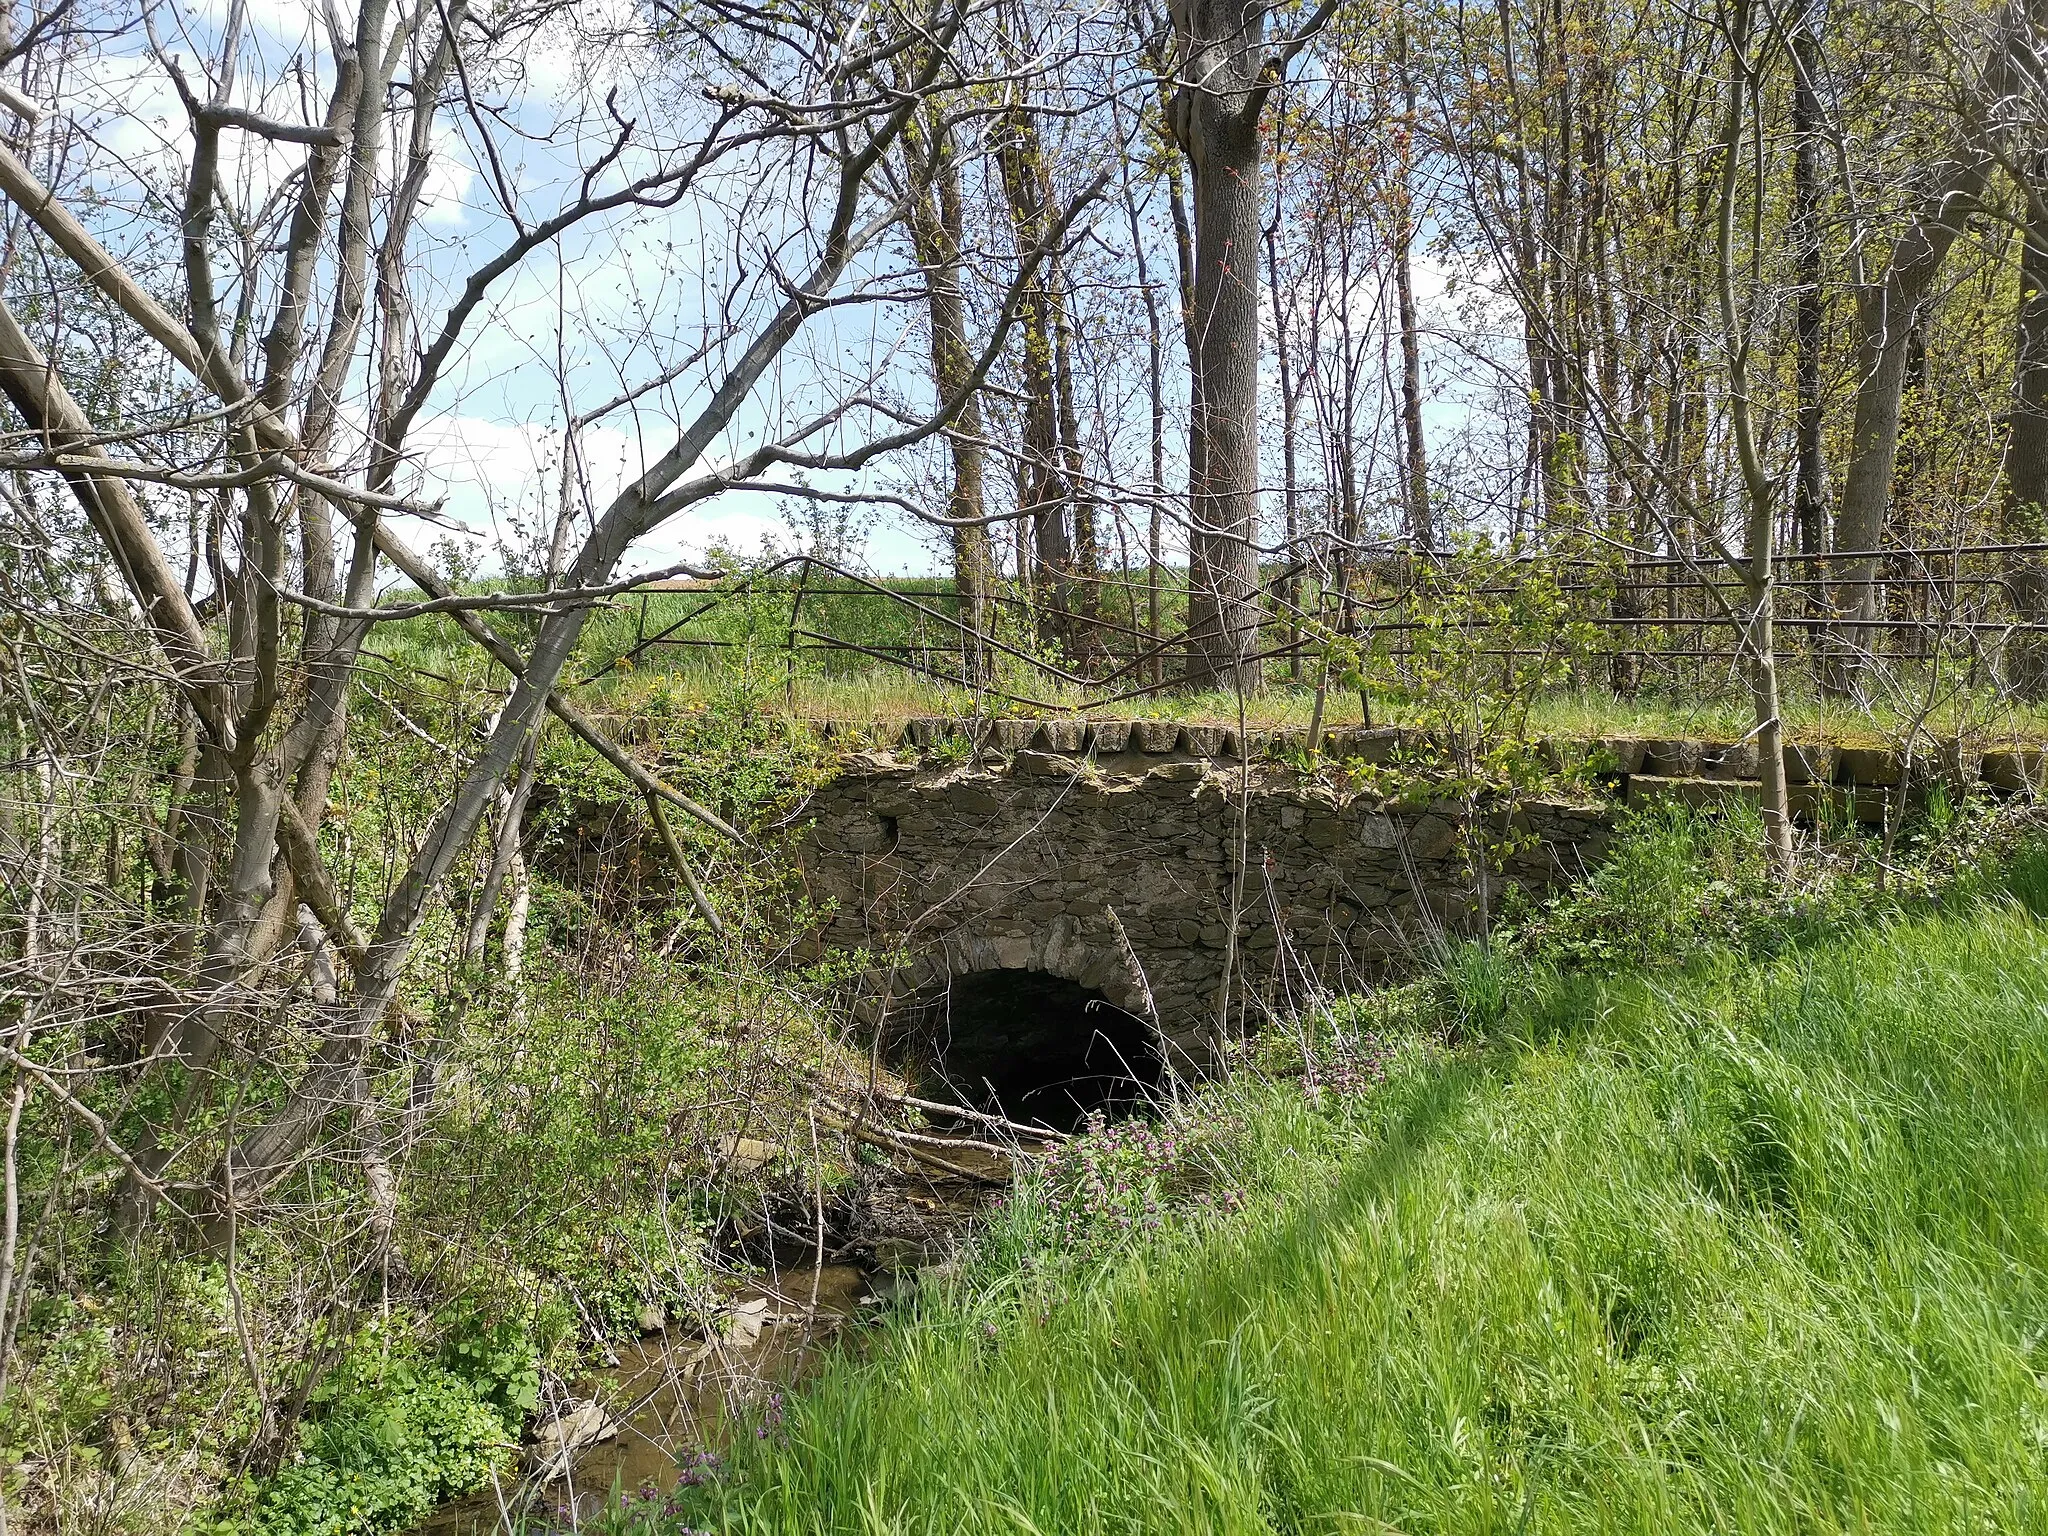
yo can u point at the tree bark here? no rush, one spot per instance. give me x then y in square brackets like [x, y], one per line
[1215, 118]
[1286, 601]
[1044, 491]
[1421, 520]
[1084, 602]
[2024, 508]
[1809, 497]
[1155, 396]
[936, 222]
[1421, 524]
[1759, 587]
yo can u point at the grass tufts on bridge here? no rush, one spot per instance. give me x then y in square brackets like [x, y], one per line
[1760, 1247]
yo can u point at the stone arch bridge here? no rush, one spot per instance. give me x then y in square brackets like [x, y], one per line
[1039, 880]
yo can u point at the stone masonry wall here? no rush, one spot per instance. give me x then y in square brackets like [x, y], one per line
[1112, 854]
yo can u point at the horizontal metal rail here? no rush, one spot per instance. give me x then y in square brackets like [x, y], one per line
[1645, 612]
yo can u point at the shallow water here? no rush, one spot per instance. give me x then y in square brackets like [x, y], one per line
[677, 1393]
[674, 1393]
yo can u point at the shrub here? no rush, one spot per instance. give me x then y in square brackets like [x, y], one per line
[392, 1432]
[1680, 882]
[381, 1460]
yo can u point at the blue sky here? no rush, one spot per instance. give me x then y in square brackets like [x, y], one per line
[608, 306]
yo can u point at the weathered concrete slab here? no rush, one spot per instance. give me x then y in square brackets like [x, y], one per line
[2016, 770]
[1960, 765]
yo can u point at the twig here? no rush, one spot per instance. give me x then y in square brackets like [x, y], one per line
[888, 1142]
[96, 1125]
[675, 854]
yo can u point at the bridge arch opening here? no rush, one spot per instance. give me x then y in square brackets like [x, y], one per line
[1044, 1048]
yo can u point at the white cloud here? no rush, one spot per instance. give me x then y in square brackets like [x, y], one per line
[500, 483]
[444, 200]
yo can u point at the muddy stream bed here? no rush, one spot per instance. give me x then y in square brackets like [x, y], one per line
[675, 1396]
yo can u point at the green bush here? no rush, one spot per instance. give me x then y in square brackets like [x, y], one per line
[1681, 883]
[1479, 981]
[384, 1454]
[497, 1358]
[395, 1429]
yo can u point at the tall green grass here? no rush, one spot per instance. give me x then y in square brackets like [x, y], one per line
[1763, 1249]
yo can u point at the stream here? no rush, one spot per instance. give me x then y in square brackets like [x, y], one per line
[672, 1395]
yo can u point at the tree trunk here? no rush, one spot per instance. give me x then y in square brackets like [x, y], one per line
[1756, 568]
[1045, 492]
[1287, 600]
[1421, 524]
[1184, 267]
[2024, 510]
[1887, 310]
[936, 221]
[1809, 497]
[1421, 521]
[1085, 603]
[1217, 124]
[1155, 389]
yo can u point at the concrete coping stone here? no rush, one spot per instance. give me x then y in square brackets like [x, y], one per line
[2016, 769]
[1873, 766]
[1729, 760]
[1108, 737]
[1155, 736]
[1069, 736]
[1688, 789]
[1012, 735]
[926, 731]
[1809, 762]
[1951, 761]
[2011, 769]
[1372, 744]
[1672, 757]
[1627, 752]
[1283, 741]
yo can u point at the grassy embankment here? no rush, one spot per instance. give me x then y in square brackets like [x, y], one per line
[1752, 1244]
[706, 641]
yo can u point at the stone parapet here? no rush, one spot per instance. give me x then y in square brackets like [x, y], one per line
[1960, 765]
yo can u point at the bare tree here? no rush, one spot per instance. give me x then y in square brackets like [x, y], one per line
[784, 145]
